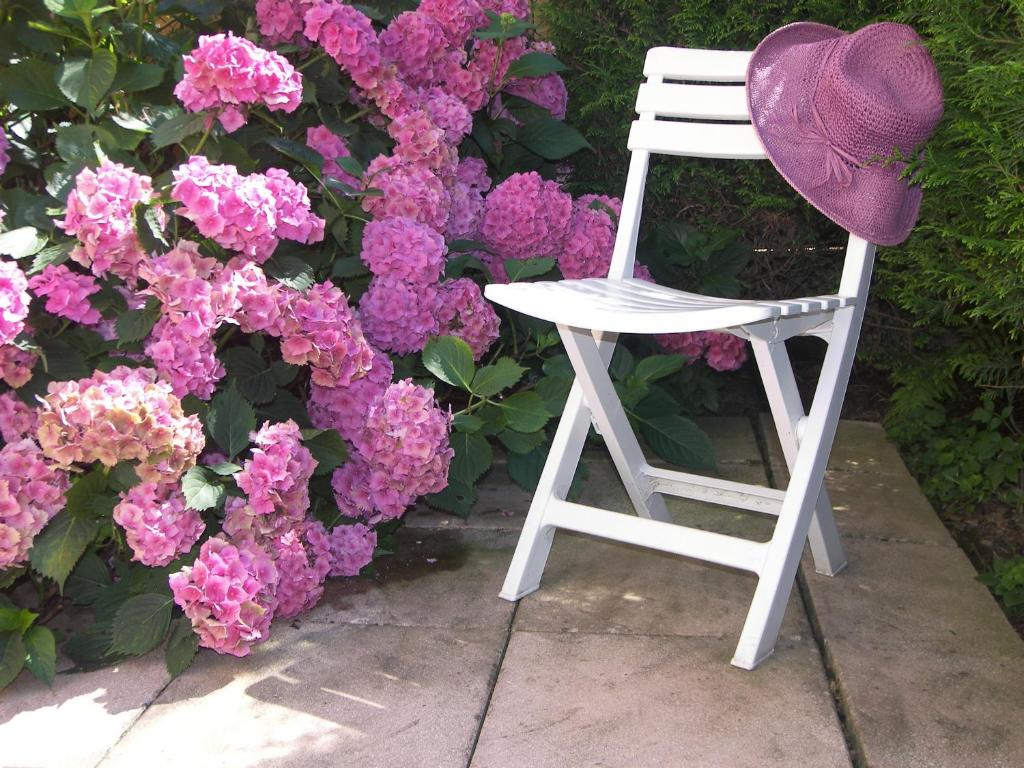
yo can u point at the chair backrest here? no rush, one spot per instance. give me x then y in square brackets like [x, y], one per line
[694, 104]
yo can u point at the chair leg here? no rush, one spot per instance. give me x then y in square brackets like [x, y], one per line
[787, 410]
[592, 374]
[783, 556]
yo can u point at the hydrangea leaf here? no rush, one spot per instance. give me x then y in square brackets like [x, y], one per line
[291, 271]
[31, 86]
[679, 440]
[41, 654]
[230, 420]
[201, 491]
[60, 545]
[88, 580]
[535, 64]
[451, 360]
[86, 81]
[658, 367]
[141, 623]
[177, 129]
[492, 379]
[76, 144]
[137, 76]
[12, 657]
[525, 468]
[525, 411]
[135, 324]
[16, 619]
[552, 139]
[22, 242]
[522, 442]
[521, 269]
[182, 646]
[327, 447]
[464, 422]
[473, 457]
[502, 27]
[554, 390]
[457, 498]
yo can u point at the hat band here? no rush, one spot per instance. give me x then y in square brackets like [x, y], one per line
[836, 158]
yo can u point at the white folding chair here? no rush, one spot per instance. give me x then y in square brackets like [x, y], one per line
[693, 104]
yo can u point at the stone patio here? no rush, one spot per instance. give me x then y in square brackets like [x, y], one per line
[621, 659]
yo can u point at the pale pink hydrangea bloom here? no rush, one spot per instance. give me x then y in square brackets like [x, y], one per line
[691, 344]
[465, 313]
[417, 44]
[67, 293]
[403, 453]
[226, 74]
[16, 365]
[467, 194]
[249, 214]
[187, 361]
[331, 146]
[351, 548]
[587, 249]
[725, 352]
[157, 524]
[449, 113]
[5, 158]
[123, 415]
[276, 483]
[188, 287]
[319, 329]
[458, 18]
[31, 493]
[303, 559]
[17, 420]
[257, 303]
[348, 37]
[282, 21]
[14, 301]
[518, 8]
[345, 408]
[492, 61]
[409, 190]
[468, 82]
[228, 594]
[403, 249]
[526, 217]
[101, 214]
[420, 141]
[548, 92]
[397, 316]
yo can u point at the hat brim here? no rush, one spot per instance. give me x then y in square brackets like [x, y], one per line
[877, 205]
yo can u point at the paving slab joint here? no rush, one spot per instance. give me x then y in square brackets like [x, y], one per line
[133, 723]
[492, 684]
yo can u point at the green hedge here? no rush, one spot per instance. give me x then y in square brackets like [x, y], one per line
[948, 316]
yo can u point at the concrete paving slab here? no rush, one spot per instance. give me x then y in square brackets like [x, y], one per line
[861, 446]
[732, 437]
[314, 697]
[434, 579]
[597, 586]
[568, 701]
[922, 710]
[73, 724]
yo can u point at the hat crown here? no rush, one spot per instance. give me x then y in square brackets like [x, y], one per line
[877, 91]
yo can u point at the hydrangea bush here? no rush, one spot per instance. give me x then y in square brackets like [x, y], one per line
[242, 328]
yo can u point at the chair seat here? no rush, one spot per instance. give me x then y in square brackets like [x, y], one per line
[636, 306]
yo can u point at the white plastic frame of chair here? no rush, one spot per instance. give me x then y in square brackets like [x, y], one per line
[691, 88]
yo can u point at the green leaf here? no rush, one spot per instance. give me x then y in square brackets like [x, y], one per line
[473, 457]
[90, 647]
[312, 161]
[137, 76]
[225, 469]
[255, 380]
[12, 657]
[535, 64]
[86, 81]
[525, 468]
[502, 27]
[200, 489]
[552, 139]
[524, 411]
[123, 476]
[349, 266]
[16, 619]
[327, 447]
[182, 646]
[150, 229]
[71, 9]
[22, 242]
[464, 422]
[41, 654]
[141, 624]
[230, 420]
[554, 390]
[522, 442]
[31, 86]
[177, 129]
[291, 271]
[521, 269]
[491, 379]
[87, 582]
[351, 166]
[658, 367]
[455, 498]
[49, 256]
[135, 324]
[678, 440]
[451, 360]
[75, 144]
[622, 363]
[61, 544]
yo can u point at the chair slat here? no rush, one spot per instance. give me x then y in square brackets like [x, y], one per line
[737, 141]
[707, 102]
[693, 64]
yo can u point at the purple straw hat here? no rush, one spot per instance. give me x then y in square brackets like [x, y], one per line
[830, 107]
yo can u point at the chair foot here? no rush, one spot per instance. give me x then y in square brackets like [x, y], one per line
[834, 571]
[743, 662]
[514, 596]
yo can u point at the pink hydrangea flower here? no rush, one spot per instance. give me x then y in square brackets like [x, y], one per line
[5, 158]
[17, 420]
[548, 92]
[403, 453]
[14, 301]
[248, 214]
[403, 249]
[351, 548]
[526, 217]
[587, 249]
[725, 352]
[123, 415]
[276, 483]
[690, 344]
[157, 524]
[420, 141]
[397, 316]
[303, 558]
[67, 293]
[282, 21]
[417, 44]
[228, 594]
[187, 361]
[31, 493]
[322, 139]
[518, 8]
[458, 18]
[467, 194]
[449, 113]
[187, 285]
[256, 302]
[412, 191]
[101, 214]
[16, 365]
[319, 329]
[491, 60]
[467, 82]
[344, 408]
[226, 74]
[348, 37]
[465, 313]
